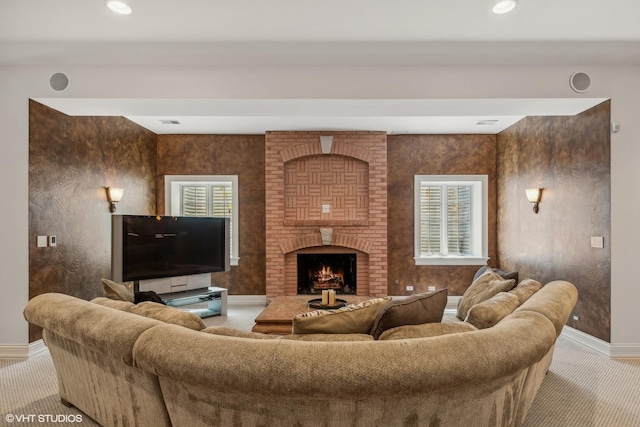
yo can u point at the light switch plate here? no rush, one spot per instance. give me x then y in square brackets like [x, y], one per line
[597, 242]
[42, 242]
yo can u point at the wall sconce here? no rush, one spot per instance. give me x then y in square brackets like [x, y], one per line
[534, 194]
[114, 195]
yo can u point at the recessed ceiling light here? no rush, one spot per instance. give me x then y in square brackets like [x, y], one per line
[119, 6]
[504, 6]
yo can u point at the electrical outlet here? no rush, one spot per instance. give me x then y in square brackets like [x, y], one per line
[576, 317]
[409, 287]
[53, 241]
[431, 288]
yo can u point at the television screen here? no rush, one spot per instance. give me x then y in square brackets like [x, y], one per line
[149, 247]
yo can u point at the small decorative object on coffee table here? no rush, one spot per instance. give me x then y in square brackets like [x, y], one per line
[317, 304]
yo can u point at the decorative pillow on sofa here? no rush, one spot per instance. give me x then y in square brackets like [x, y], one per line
[425, 330]
[487, 313]
[169, 314]
[483, 288]
[525, 289]
[119, 291]
[352, 319]
[114, 303]
[414, 310]
[504, 274]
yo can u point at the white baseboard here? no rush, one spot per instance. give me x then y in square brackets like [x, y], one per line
[247, 300]
[599, 346]
[22, 351]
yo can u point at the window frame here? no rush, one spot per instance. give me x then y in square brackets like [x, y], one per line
[479, 220]
[172, 201]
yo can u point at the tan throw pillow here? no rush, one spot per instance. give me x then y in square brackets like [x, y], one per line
[169, 314]
[426, 330]
[352, 319]
[525, 289]
[118, 291]
[487, 313]
[113, 303]
[414, 310]
[483, 288]
[232, 332]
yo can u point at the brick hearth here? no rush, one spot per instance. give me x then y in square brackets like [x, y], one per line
[350, 178]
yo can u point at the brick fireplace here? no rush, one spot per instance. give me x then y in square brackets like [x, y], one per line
[326, 193]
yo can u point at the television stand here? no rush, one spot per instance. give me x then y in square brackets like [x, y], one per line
[193, 301]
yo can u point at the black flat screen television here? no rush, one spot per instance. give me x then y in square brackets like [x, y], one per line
[150, 247]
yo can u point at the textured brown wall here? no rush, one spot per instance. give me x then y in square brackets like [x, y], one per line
[570, 158]
[410, 155]
[241, 155]
[71, 159]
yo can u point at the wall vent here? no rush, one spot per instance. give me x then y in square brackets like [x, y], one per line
[169, 122]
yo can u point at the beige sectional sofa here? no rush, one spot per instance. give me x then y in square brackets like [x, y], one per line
[123, 369]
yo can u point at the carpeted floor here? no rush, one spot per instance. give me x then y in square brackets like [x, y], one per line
[582, 388]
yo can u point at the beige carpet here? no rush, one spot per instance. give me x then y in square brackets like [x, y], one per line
[582, 389]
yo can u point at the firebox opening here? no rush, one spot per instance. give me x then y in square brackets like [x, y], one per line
[317, 272]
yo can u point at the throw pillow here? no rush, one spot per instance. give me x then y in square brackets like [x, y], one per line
[487, 313]
[414, 310]
[352, 319]
[169, 314]
[119, 291]
[143, 296]
[113, 303]
[505, 274]
[483, 288]
[426, 330]
[525, 289]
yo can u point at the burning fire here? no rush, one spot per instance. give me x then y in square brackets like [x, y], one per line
[327, 279]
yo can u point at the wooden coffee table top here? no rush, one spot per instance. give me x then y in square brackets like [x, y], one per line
[277, 317]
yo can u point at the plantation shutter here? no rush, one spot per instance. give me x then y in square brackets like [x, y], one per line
[194, 200]
[430, 219]
[459, 220]
[222, 206]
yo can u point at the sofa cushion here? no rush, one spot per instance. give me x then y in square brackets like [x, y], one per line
[169, 314]
[328, 337]
[525, 289]
[118, 291]
[352, 319]
[232, 332]
[114, 303]
[414, 310]
[483, 288]
[487, 313]
[426, 330]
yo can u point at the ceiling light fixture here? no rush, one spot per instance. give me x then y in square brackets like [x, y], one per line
[501, 7]
[119, 6]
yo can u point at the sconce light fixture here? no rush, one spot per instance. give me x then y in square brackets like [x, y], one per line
[114, 195]
[534, 194]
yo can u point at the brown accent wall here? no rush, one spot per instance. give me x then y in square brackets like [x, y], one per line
[241, 155]
[71, 159]
[570, 158]
[410, 155]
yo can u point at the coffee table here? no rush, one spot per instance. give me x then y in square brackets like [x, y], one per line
[277, 317]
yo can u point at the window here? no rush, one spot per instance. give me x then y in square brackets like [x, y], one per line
[205, 195]
[450, 219]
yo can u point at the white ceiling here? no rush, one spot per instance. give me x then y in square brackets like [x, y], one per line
[326, 32]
